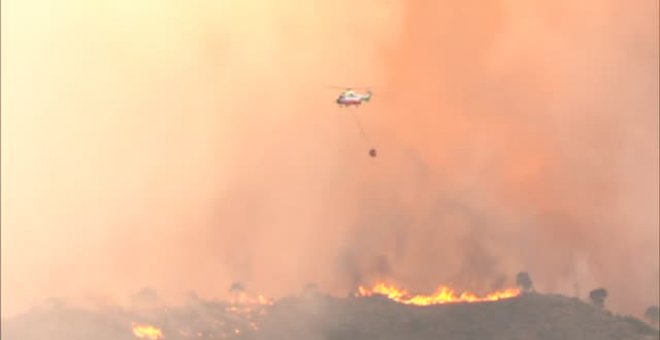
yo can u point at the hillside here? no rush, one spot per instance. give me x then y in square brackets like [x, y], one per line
[543, 317]
[530, 317]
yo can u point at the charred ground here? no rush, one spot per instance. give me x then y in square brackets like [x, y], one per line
[528, 317]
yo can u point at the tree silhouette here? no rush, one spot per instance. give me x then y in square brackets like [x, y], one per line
[311, 289]
[524, 282]
[237, 287]
[653, 314]
[598, 296]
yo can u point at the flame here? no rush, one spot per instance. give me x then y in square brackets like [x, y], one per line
[442, 295]
[147, 332]
[249, 309]
[243, 298]
[243, 312]
[248, 306]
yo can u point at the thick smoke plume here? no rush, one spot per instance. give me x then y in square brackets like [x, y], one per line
[188, 145]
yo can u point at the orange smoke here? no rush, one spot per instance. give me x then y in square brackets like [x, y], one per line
[147, 332]
[442, 295]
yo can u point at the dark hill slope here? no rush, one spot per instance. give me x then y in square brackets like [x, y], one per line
[546, 317]
[543, 317]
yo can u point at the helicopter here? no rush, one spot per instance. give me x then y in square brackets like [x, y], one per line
[351, 97]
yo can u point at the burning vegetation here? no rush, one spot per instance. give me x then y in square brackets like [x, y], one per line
[255, 316]
[147, 332]
[239, 316]
[442, 295]
[448, 315]
[248, 307]
[242, 313]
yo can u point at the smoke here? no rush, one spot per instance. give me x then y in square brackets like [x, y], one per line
[189, 146]
[539, 125]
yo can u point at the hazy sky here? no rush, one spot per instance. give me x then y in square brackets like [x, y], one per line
[187, 145]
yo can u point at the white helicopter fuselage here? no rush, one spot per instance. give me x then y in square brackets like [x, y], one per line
[352, 98]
